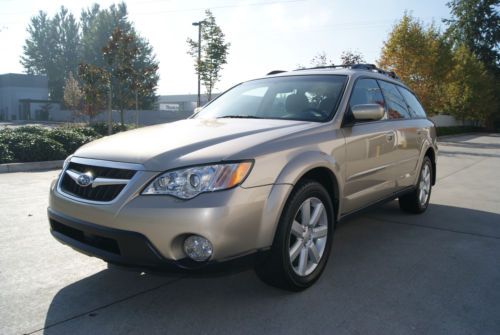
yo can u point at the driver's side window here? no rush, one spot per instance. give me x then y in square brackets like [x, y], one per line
[365, 91]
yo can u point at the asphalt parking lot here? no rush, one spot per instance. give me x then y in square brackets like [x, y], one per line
[389, 272]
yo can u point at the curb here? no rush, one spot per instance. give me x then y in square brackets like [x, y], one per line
[444, 137]
[31, 166]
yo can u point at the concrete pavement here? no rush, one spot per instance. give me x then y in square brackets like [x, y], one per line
[389, 272]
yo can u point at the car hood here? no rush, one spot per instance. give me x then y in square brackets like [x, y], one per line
[187, 142]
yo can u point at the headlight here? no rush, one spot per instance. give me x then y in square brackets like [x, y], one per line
[187, 183]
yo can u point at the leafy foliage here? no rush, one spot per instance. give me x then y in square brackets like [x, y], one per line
[69, 138]
[321, 59]
[31, 147]
[56, 46]
[102, 128]
[53, 49]
[476, 24]
[95, 87]
[6, 155]
[421, 57]
[33, 143]
[73, 94]
[214, 51]
[352, 57]
[132, 73]
[471, 88]
[35, 130]
[474, 30]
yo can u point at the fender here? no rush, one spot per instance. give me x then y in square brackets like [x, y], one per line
[295, 169]
[425, 146]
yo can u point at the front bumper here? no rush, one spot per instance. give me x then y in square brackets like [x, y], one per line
[109, 244]
[149, 231]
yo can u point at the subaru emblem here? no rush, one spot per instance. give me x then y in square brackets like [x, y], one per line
[84, 180]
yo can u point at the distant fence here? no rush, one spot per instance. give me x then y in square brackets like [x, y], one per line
[146, 117]
[150, 117]
[443, 120]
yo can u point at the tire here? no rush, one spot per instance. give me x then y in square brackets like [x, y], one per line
[417, 201]
[300, 252]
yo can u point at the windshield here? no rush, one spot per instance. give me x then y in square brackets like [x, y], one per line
[305, 98]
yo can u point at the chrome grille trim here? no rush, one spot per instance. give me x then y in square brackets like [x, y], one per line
[139, 168]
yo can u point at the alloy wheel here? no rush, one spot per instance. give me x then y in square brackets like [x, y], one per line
[308, 236]
[425, 185]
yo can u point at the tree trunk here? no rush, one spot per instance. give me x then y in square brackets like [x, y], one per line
[122, 118]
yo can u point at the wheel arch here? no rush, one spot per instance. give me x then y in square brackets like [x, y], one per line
[432, 156]
[310, 165]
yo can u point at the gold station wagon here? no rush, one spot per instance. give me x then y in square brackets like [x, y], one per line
[265, 170]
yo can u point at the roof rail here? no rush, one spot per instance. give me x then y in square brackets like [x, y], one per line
[275, 72]
[367, 67]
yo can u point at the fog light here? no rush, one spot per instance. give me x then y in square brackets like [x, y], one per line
[198, 248]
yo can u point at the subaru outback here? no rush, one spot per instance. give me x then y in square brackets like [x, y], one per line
[267, 169]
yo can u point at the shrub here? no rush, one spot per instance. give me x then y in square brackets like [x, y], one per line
[443, 131]
[36, 130]
[102, 128]
[6, 155]
[27, 147]
[69, 138]
[31, 143]
[85, 131]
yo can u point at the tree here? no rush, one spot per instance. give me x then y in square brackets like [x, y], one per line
[352, 57]
[97, 27]
[94, 87]
[321, 59]
[471, 89]
[132, 73]
[72, 94]
[422, 58]
[57, 45]
[52, 49]
[476, 24]
[120, 53]
[214, 51]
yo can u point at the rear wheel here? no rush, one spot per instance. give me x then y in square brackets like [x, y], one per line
[418, 200]
[303, 239]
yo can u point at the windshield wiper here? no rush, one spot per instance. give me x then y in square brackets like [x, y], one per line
[239, 117]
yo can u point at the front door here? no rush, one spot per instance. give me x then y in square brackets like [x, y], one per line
[371, 151]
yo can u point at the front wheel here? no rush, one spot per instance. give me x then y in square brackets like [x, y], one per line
[418, 200]
[303, 239]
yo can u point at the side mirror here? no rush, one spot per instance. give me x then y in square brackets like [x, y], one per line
[196, 111]
[368, 112]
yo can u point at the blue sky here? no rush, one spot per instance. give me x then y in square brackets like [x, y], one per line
[265, 34]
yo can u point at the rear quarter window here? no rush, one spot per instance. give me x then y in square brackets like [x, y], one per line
[396, 105]
[414, 106]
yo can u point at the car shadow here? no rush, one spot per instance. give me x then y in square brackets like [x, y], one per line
[369, 285]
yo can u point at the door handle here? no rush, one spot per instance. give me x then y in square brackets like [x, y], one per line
[389, 136]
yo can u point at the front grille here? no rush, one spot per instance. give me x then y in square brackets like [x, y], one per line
[103, 193]
[99, 242]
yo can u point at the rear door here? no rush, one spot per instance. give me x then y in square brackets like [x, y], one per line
[406, 128]
[370, 151]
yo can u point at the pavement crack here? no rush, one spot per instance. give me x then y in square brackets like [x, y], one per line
[435, 228]
[108, 305]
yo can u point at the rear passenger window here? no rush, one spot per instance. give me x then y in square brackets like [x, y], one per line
[416, 109]
[396, 105]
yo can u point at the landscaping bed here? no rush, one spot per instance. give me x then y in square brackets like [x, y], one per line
[36, 144]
